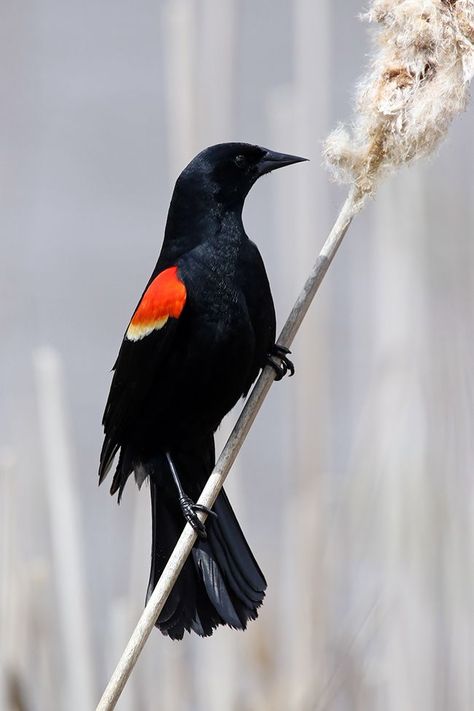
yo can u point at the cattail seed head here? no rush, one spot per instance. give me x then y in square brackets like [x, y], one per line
[417, 82]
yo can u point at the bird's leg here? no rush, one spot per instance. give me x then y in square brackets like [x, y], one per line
[279, 361]
[188, 507]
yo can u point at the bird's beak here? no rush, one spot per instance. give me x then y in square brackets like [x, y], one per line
[273, 160]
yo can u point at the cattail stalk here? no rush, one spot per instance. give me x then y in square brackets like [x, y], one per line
[417, 83]
[224, 463]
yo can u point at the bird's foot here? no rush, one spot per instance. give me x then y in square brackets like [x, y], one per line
[279, 361]
[190, 511]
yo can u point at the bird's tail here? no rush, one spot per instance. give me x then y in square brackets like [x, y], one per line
[221, 583]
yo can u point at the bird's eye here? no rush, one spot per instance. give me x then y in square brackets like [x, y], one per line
[240, 161]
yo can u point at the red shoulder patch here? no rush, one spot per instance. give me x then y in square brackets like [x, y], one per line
[164, 299]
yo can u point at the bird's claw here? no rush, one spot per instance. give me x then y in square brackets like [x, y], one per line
[279, 361]
[190, 509]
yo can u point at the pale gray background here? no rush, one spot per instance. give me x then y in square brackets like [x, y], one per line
[355, 486]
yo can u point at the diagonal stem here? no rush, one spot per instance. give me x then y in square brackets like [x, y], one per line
[216, 481]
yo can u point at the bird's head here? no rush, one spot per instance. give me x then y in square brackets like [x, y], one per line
[227, 171]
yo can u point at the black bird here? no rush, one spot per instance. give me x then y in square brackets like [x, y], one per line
[202, 330]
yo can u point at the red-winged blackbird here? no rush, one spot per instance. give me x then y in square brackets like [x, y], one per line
[202, 330]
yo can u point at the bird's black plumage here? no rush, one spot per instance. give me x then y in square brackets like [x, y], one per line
[200, 334]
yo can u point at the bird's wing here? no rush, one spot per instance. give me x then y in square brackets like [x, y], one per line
[254, 280]
[145, 344]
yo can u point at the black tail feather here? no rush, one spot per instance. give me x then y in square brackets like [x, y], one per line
[227, 529]
[221, 583]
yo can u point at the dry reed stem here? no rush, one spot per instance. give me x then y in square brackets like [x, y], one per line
[216, 480]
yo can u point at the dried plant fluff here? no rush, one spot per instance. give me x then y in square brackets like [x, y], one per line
[417, 83]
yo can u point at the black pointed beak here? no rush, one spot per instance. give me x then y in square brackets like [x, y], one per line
[273, 160]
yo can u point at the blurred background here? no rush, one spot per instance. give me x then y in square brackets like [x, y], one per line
[355, 486]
